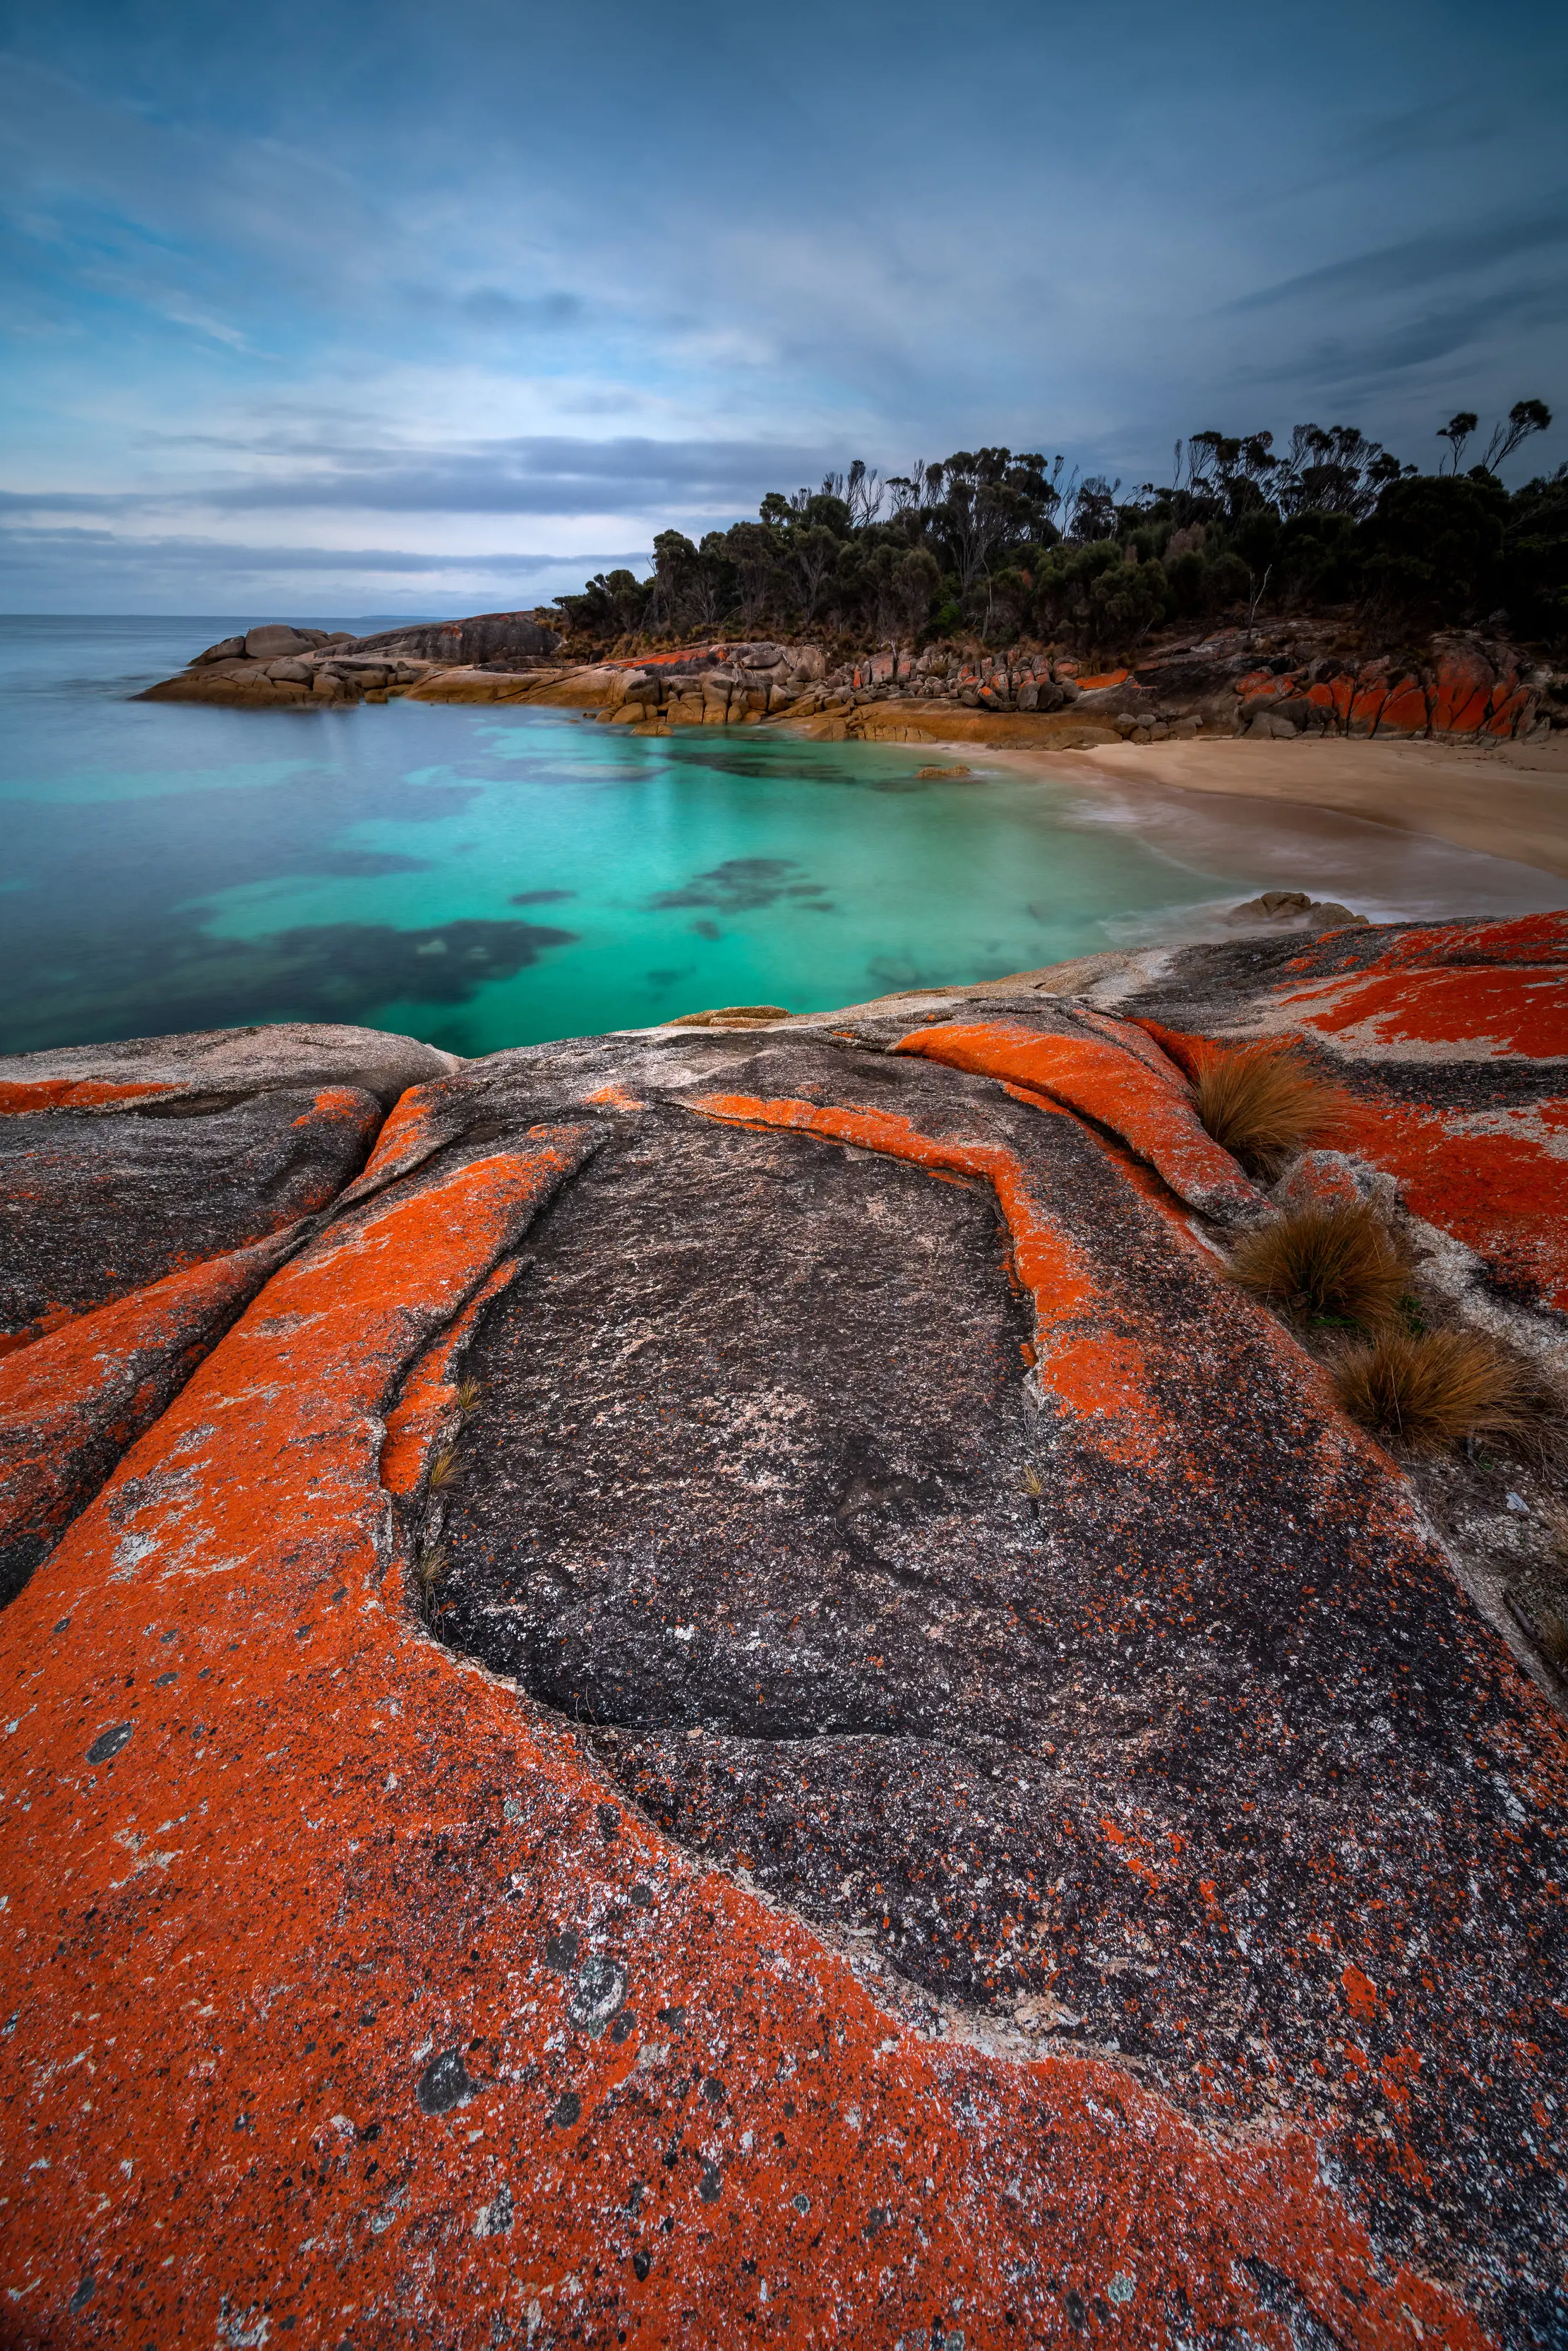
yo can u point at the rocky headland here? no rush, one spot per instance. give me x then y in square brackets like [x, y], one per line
[1265, 685]
[736, 1680]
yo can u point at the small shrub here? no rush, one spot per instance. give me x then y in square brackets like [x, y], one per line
[1263, 1104]
[1335, 1263]
[1434, 1388]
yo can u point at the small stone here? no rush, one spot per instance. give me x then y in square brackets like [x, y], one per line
[445, 2083]
[109, 1743]
[598, 1996]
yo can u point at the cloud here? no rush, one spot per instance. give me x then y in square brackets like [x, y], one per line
[1437, 253]
[570, 279]
[543, 475]
[241, 558]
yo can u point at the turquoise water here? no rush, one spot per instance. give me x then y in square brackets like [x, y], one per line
[486, 878]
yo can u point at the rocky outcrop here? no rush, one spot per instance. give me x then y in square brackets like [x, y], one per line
[744, 1670]
[1466, 688]
[513, 641]
[279, 664]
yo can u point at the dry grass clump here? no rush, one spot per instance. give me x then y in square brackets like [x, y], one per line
[1431, 1388]
[468, 1393]
[443, 1470]
[1263, 1104]
[1334, 1262]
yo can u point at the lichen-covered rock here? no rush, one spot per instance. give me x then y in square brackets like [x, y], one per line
[746, 1671]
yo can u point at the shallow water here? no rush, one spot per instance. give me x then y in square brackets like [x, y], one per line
[486, 878]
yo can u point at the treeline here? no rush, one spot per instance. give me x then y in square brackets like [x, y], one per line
[1002, 545]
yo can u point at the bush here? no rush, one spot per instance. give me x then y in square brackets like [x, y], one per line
[1336, 1262]
[1437, 544]
[1433, 1388]
[1263, 1104]
[1535, 560]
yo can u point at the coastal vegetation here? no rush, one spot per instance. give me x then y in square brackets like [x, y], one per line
[1000, 546]
[1427, 1389]
[1262, 1103]
[1330, 1261]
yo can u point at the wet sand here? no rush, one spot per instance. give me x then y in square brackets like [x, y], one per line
[1509, 801]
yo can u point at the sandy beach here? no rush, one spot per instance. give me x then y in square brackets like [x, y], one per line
[1510, 802]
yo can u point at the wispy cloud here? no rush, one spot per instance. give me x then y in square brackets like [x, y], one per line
[1437, 256]
[573, 276]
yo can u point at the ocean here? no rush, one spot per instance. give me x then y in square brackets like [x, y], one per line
[485, 877]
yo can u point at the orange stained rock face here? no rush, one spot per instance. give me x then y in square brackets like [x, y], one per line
[1116, 1083]
[427, 1409]
[1088, 1353]
[1496, 1179]
[1426, 991]
[91, 1386]
[72, 1093]
[1404, 712]
[1464, 690]
[409, 1133]
[615, 1097]
[338, 1101]
[346, 2007]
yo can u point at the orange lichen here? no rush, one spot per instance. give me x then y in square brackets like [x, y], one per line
[1497, 1180]
[615, 1098]
[91, 1386]
[72, 1093]
[299, 1924]
[410, 1133]
[335, 1102]
[427, 1408]
[1110, 1082]
[1360, 1993]
[1512, 1011]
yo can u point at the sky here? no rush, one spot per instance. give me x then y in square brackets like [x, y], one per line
[407, 310]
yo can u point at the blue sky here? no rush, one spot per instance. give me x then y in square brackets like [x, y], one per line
[391, 308]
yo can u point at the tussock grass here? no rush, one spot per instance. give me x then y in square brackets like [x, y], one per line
[443, 1470]
[1334, 1261]
[468, 1391]
[1263, 1104]
[1432, 1388]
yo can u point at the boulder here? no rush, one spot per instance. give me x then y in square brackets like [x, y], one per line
[226, 649]
[751, 1615]
[487, 636]
[1294, 910]
[274, 641]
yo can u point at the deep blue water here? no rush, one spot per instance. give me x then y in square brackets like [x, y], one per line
[485, 878]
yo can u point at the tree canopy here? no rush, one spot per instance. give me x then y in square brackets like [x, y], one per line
[1001, 544]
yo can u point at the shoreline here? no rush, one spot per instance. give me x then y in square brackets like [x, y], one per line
[1509, 801]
